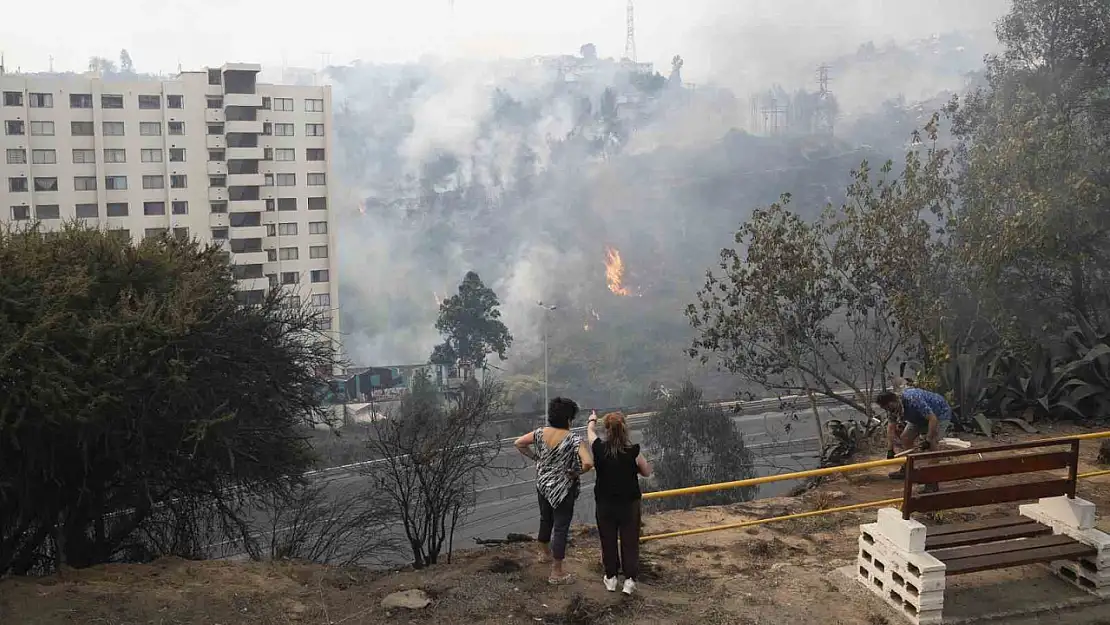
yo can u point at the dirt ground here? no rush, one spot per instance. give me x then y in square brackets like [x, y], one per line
[770, 574]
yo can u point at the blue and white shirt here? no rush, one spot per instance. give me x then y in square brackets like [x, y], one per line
[918, 404]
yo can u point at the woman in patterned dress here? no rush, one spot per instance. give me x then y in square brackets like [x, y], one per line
[561, 458]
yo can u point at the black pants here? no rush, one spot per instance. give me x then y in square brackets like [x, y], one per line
[619, 520]
[555, 523]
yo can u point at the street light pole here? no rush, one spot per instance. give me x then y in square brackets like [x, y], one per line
[546, 401]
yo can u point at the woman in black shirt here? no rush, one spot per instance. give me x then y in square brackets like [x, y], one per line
[617, 495]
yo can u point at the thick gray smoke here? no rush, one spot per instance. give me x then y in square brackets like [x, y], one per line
[525, 170]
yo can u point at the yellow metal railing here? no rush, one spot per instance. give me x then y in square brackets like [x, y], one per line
[860, 466]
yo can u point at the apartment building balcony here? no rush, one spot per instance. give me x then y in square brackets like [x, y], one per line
[218, 220]
[249, 258]
[243, 126]
[215, 142]
[247, 206]
[215, 116]
[248, 232]
[243, 99]
[250, 154]
[245, 180]
[217, 194]
[217, 168]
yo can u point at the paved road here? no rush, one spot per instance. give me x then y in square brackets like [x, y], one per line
[506, 502]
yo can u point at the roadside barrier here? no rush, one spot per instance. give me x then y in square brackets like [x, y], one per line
[860, 466]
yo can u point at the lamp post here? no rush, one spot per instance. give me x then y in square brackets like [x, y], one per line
[546, 309]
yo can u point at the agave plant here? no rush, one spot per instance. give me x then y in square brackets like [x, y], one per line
[966, 377]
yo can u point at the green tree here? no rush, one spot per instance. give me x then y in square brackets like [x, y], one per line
[1034, 151]
[137, 392]
[692, 442]
[471, 324]
[827, 305]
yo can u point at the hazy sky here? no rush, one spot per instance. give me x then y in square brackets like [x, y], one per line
[709, 34]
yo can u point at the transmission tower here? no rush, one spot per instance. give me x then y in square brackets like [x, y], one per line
[630, 36]
[824, 118]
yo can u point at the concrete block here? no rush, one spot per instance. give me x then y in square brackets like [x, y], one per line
[906, 534]
[1074, 513]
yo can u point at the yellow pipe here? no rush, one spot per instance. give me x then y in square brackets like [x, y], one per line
[1093, 474]
[799, 515]
[798, 475]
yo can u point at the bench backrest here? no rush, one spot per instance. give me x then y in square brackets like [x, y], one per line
[927, 468]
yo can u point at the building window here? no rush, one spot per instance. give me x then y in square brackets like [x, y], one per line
[116, 183]
[123, 235]
[80, 100]
[290, 277]
[175, 102]
[245, 220]
[246, 272]
[283, 130]
[154, 208]
[13, 98]
[46, 184]
[267, 130]
[17, 156]
[87, 211]
[84, 183]
[321, 299]
[17, 185]
[151, 155]
[113, 129]
[268, 180]
[319, 275]
[115, 155]
[154, 233]
[215, 102]
[176, 128]
[285, 154]
[282, 104]
[81, 129]
[317, 203]
[42, 129]
[314, 105]
[271, 257]
[14, 127]
[84, 156]
[318, 251]
[181, 233]
[116, 209]
[316, 180]
[269, 204]
[41, 100]
[292, 301]
[216, 155]
[178, 181]
[219, 234]
[21, 213]
[314, 154]
[154, 182]
[44, 157]
[246, 246]
[265, 103]
[287, 204]
[271, 230]
[287, 229]
[217, 207]
[47, 211]
[111, 101]
[317, 227]
[314, 130]
[325, 323]
[215, 129]
[214, 76]
[288, 253]
[150, 129]
[179, 207]
[177, 155]
[286, 180]
[217, 181]
[150, 102]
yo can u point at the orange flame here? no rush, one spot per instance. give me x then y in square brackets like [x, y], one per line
[614, 271]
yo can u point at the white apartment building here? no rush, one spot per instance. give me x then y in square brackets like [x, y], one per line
[210, 154]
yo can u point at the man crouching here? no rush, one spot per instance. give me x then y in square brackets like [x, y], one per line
[926, 415]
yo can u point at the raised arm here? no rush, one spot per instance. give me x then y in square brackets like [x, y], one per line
[524, 445]
[591, 428]
[643, 466]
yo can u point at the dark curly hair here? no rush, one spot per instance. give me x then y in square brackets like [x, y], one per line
[560, 412]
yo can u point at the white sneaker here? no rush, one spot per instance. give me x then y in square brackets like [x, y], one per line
[629, 587]
[610, 583]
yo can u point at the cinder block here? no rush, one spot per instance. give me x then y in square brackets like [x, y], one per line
[905, 534]
[1074, 513]
[932, 617]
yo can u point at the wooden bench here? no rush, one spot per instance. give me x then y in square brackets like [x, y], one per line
[994, 543]
[906, 563]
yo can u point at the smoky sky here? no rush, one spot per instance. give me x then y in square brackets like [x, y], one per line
[548, 209]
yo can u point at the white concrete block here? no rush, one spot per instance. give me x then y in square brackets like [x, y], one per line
[906, 534]
[933, 617]
[1075, 513]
